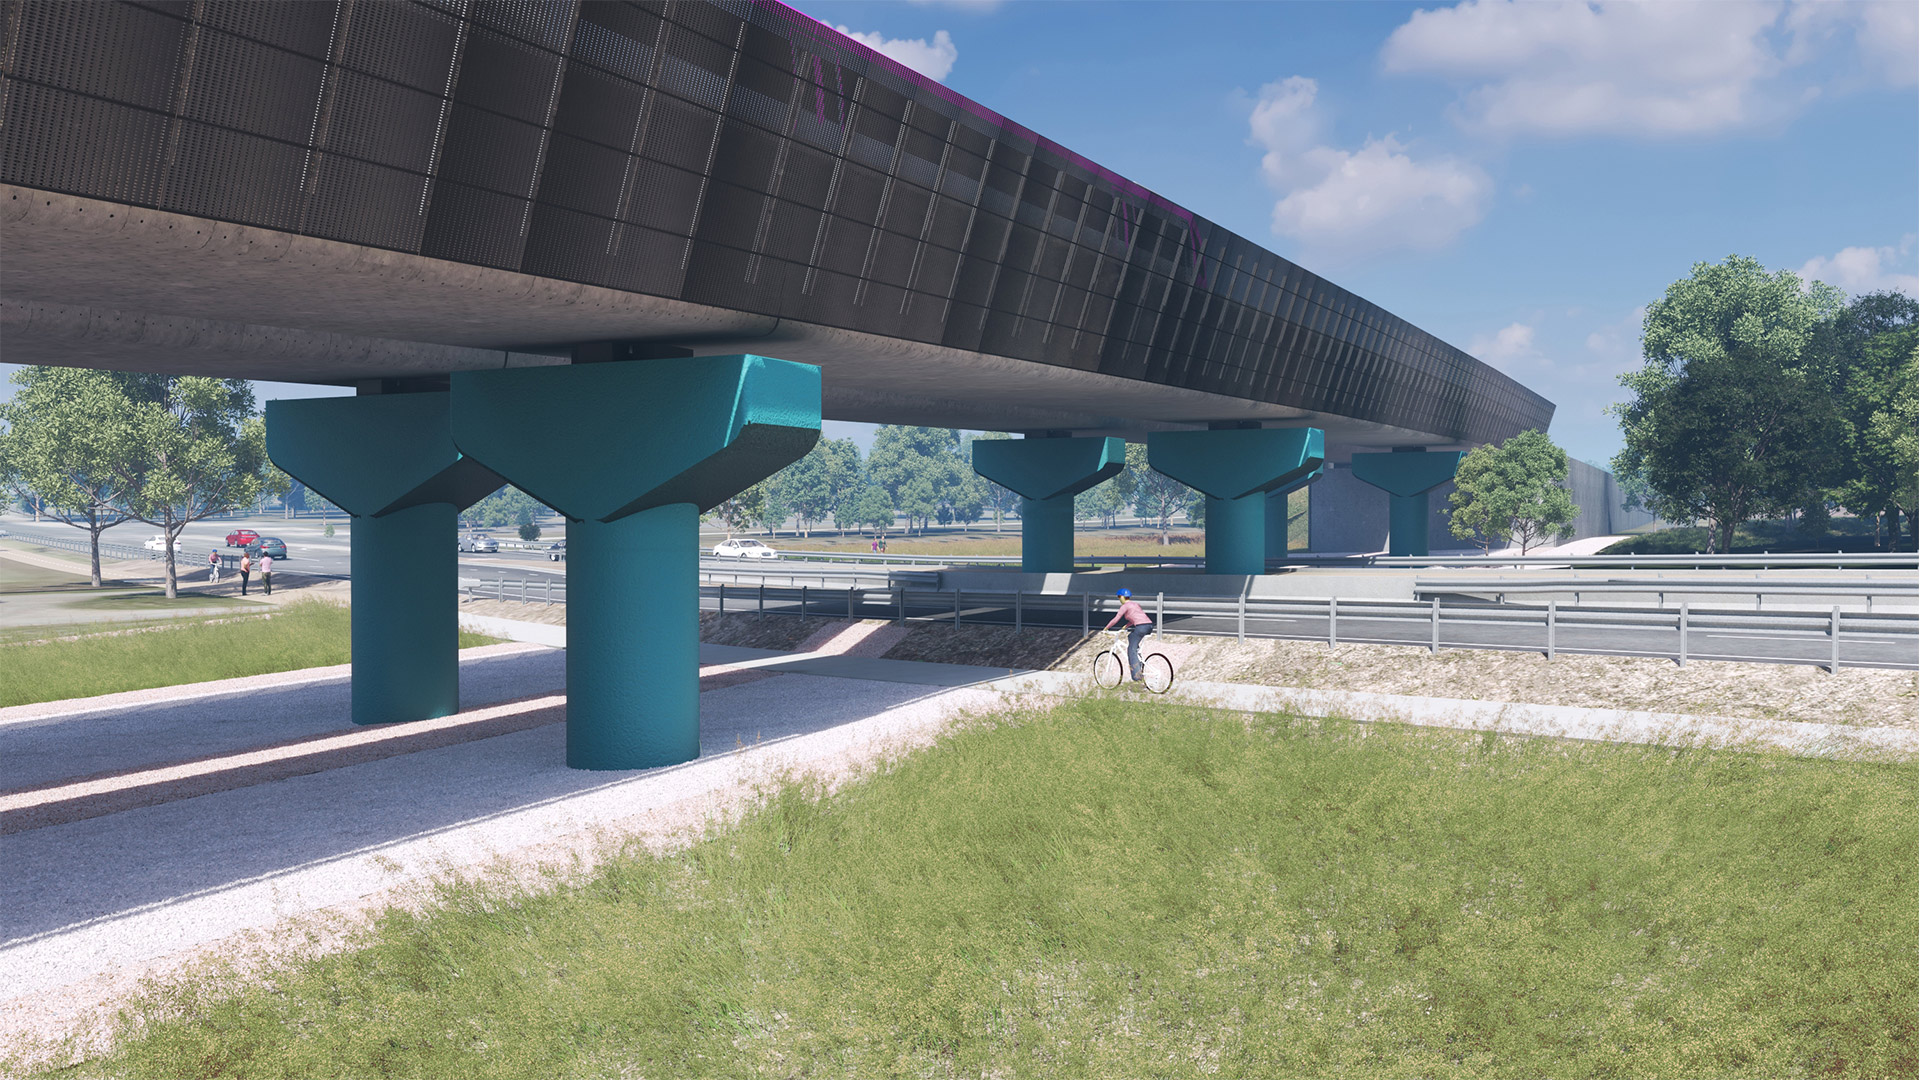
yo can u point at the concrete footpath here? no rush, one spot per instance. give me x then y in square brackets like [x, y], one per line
[144, 830]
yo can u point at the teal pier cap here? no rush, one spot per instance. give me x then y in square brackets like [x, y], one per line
[1234, 464]
[1047, 473]
[1407, 476]
[599, 442]
[377, 454]
[1409, 472]
[389, 461]
[1049, 468]
[1237, 469]
[632, 451]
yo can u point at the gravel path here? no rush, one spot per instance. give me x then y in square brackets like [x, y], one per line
[90, 906]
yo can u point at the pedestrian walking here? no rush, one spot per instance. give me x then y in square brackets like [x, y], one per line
[266, 573]
[246, 571]
[213, 566]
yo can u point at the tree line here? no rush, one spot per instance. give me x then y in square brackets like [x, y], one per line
[925, 475]
[1763, 396]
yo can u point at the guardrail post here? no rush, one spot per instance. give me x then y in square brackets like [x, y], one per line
[850, 589]
[1683, 633]
[900, 598]
[549, 592]
[803, 601]
[763, 597]
[1159, 613]
[956, 607]
[523, 590]
[1434, 646]
[1833, 666]
[1086, 622]
[1333, 621]
[723, 597]
[1018, 614]
[1553, 611]
[1240, 627]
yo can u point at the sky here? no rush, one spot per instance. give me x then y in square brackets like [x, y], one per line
[1519, 179]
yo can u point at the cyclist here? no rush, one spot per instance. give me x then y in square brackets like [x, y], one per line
[1138, 626]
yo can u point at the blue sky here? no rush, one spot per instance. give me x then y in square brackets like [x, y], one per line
[1520, 179]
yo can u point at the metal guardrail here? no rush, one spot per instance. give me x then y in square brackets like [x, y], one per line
[1764, 561]
[117, 552]
[1901, 560]
[1660, 587]
[1872, 639]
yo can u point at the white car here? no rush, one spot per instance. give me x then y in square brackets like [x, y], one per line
[743, 549]
[158, 542]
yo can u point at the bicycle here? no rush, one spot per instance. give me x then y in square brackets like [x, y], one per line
[1110, 664]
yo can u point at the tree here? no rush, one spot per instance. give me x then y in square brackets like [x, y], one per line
[1514, 492]
[867, 507]
[744, 508]
[1729, 420]
[1894, 435]
[1866, 354]
[65, 436]
[1156, 496]
[507, 506]
[814, 486]
[917, 467]
[528, 530]
[195, 449]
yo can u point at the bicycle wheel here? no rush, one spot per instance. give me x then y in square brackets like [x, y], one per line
[1158, 671]
[1107, 671]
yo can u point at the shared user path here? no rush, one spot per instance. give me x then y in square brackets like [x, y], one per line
[143, 830]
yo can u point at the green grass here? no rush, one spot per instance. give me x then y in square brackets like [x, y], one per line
[303, 634]
[19, 577]
[1115, 890]
[1841, 534]
[156, 599]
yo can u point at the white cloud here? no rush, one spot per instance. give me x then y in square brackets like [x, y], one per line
[1507, 347]
[1857, 270]
[1887, 35]
[934, 60]
[1351, 202]
[1629, 68]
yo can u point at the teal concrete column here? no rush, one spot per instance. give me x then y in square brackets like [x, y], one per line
[1407, 476]
[633, 638]
[1235, 469]
[1046, 474]
[632, 452]
[406, 615]
[1277, 513]
[389, 461]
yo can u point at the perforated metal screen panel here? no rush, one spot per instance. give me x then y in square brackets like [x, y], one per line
[732, 153]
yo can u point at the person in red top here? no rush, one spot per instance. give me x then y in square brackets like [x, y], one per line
[1139, 625]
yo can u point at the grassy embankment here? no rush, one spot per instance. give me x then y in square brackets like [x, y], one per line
[105, 658]
[1841, 534]
[1112, 890]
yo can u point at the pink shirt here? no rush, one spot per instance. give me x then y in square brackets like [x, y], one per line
[1133, 613]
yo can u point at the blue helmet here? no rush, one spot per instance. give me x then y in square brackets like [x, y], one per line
[1125, 594]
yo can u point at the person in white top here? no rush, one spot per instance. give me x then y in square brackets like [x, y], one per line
[266, 573]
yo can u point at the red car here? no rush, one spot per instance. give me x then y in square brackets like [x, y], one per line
[242, 537]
